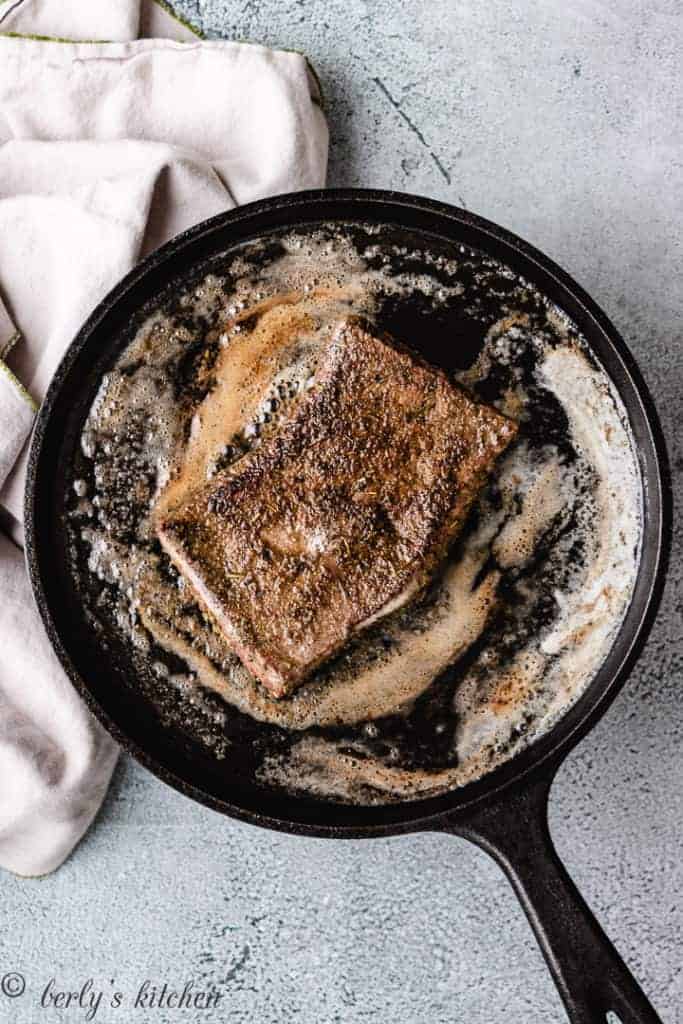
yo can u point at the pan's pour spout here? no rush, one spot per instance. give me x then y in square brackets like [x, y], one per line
[595, 984]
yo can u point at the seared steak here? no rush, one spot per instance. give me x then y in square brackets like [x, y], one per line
[342, 513]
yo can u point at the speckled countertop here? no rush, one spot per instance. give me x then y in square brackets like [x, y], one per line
[563, 121]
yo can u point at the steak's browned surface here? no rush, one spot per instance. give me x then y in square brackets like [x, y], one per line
[340, 515]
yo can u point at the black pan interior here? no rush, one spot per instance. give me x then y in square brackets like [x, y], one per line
[100, 665]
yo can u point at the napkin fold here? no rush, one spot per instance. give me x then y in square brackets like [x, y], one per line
[107, 150]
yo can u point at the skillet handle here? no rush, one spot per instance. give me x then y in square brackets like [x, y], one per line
[590, 975]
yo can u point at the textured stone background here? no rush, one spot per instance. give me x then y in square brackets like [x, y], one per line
[561, 120]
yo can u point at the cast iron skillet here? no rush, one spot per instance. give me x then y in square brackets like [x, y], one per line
[505, 812]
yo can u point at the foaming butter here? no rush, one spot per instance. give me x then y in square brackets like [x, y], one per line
[523, 610]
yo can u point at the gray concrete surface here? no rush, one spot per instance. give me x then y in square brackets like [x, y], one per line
[562, 120]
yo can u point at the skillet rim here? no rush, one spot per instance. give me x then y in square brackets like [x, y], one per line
[546, 753]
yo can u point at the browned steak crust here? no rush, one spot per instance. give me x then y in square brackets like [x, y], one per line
[339, 515]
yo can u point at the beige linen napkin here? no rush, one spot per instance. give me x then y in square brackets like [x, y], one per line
[107, 149]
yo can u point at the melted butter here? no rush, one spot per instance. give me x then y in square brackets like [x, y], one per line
[366, 683]
[555, 498]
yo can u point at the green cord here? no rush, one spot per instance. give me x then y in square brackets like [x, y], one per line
[179, 18]
[4, 369]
